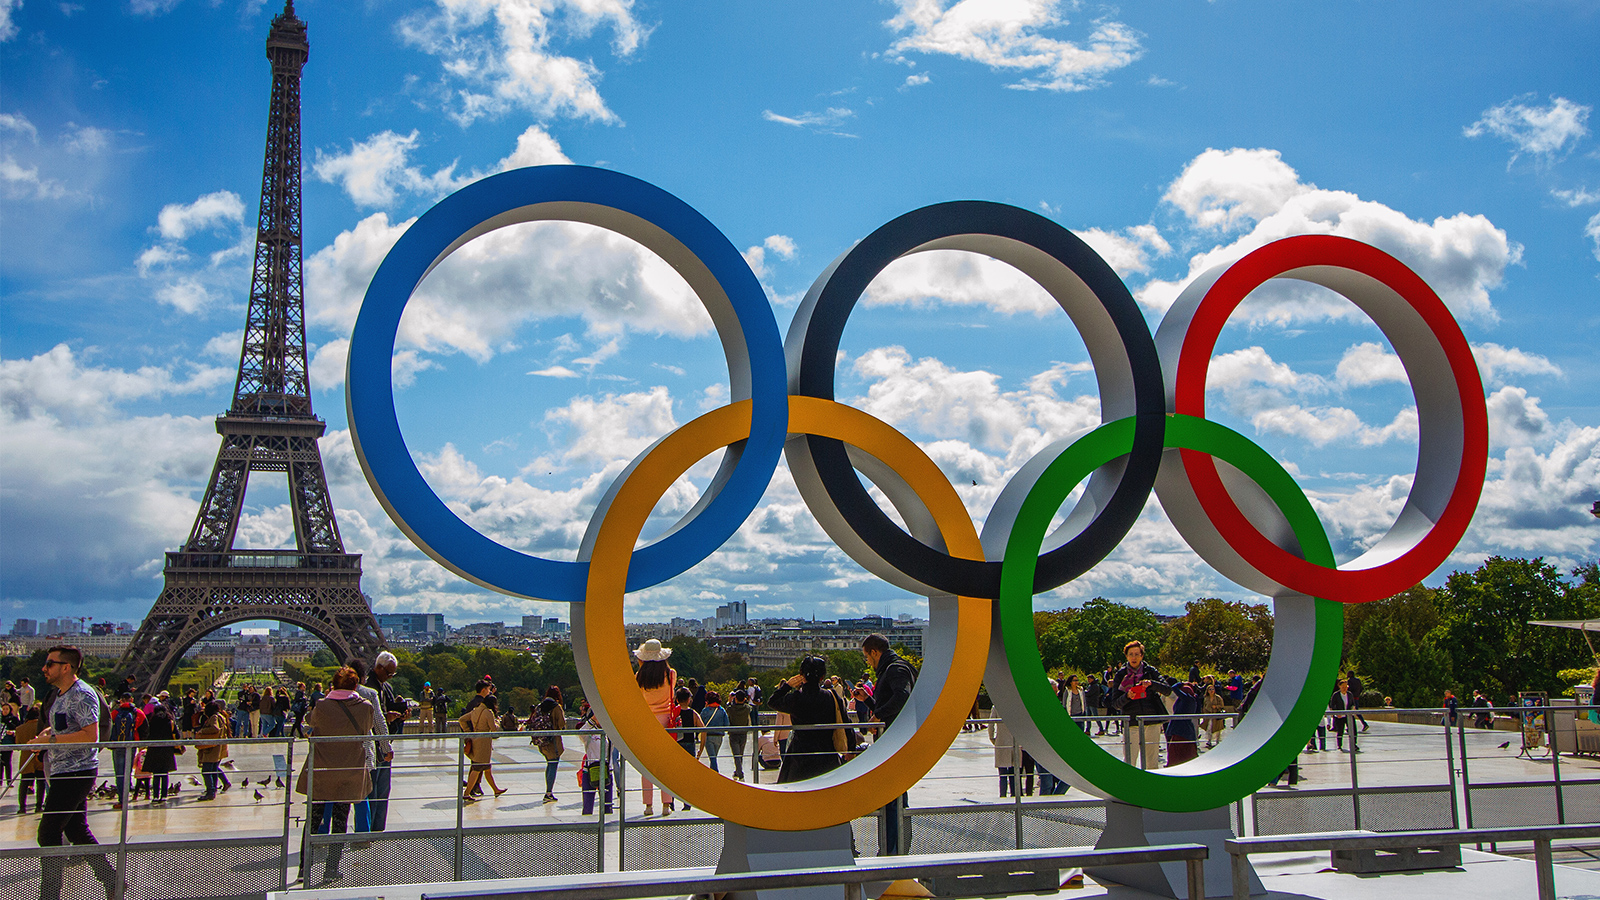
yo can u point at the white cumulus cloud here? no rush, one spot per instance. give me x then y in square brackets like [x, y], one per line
[1010, 36]
[1462, 257]
[1541, 130]
[177, 221]
[499, 55]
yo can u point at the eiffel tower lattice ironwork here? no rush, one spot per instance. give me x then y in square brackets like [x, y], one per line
[270, 427]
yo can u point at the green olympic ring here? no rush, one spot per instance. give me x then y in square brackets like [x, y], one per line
[1264, 742]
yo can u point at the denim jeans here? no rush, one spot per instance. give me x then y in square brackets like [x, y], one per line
[378, 798]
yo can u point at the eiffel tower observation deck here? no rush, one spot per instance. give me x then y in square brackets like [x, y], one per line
[270, 427]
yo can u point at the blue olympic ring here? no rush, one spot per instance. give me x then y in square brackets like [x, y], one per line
[673, 230]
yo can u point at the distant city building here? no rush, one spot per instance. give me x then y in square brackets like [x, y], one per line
[532, 624]
[553, 625]
[63, 626]
[412, 625]
[101, 629]
[734, 615]
[253, 650]
[25, 628]
[778, 647]
[484, 629]
[103, 645]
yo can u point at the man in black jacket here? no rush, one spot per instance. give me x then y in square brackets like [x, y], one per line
[893, 679]
[1135, 692]
[1094, 698]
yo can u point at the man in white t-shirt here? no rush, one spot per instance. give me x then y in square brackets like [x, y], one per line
[71, 763]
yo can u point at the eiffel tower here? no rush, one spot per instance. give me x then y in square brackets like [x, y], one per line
[270, 427]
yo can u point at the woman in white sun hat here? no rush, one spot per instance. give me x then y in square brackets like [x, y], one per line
[658, 682]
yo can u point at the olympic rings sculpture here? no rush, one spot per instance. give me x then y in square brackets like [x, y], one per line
[1247, 518]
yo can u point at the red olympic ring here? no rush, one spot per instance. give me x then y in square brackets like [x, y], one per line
[1451, 434]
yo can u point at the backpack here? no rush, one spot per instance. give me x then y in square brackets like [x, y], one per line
[124, 724]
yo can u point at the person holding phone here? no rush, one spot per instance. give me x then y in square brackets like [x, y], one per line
[1136, 690]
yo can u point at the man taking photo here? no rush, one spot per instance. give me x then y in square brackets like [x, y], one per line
[893, 679]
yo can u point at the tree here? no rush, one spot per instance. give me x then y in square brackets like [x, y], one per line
[1415, 611]
[561, 669]
[1096, 634]
[693, 658]
[324, 658]
[1222, 634]
[1415, 673]
[1486, 630]
[446, 671]
[1050, 630]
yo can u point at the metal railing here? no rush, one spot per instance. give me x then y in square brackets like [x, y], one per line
[609, 837]
[950, 865]
[1240, 849]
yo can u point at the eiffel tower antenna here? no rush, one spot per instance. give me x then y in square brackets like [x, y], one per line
[270, 427]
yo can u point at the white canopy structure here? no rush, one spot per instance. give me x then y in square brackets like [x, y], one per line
[1583, 625]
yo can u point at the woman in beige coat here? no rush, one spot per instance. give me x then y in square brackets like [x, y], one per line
[1212, 704]
[214, 726]
[338, 773]
[482, 722]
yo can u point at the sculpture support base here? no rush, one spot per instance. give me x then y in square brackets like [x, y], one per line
[755, 850]
[1132, 826]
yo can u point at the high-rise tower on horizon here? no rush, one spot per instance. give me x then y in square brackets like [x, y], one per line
[269, 427]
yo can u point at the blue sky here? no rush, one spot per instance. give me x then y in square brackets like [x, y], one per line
[539, 360]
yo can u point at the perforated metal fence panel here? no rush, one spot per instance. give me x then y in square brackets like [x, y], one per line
[962, 831]
[412, 857]
[1296, 812]
[219, 870]
[1582, 800]
[1509, 805]
[1407, 810]
[387, 858]
[695, 842]
[223, 870]
[520, 854]
[1078, 826]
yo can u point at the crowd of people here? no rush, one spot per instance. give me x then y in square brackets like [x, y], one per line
[818, 721]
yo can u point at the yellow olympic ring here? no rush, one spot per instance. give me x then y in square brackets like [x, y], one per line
[926, 727]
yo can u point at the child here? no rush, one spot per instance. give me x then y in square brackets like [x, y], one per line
[593, 769]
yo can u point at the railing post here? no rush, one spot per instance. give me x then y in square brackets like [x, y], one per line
[1450, 773]
[1544, 864]
[1016, 789]
[601, 792]
[1466, 779]
[622, 814]
[288, 803]
[461, 802]
[1197, 878]
[122, 837]
[1355, 779]
[1555, 760]
[306, 852]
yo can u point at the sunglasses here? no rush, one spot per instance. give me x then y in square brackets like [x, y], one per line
[55, 662]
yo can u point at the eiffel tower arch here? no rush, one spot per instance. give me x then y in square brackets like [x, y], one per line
[269, 427]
